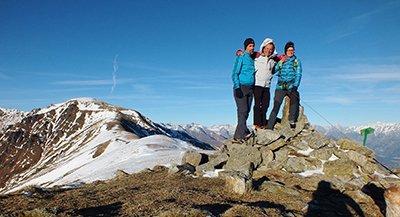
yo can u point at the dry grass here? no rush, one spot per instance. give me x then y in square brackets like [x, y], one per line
[153, 194]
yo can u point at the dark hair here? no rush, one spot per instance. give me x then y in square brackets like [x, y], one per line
[288, 45]
[247, 42]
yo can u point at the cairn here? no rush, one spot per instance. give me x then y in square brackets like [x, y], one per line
[289, 157]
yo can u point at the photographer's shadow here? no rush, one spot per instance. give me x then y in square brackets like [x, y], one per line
[330, 202]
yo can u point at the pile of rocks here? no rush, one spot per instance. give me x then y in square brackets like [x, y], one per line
[293, 155]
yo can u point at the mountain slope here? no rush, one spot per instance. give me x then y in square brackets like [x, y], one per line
[84, 140]
[9, 117]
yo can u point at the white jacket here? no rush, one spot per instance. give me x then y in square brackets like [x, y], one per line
[265, 66]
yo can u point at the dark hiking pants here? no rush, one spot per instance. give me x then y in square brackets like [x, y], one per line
[243, 106]
[261, 103]
[293, 109]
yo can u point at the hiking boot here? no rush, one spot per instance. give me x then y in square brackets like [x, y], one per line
[237, 141]
[250, 135]
[257, 127]
[292, 124]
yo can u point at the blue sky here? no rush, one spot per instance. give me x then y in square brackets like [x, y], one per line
[172, 60]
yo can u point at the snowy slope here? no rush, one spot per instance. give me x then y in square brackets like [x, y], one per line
[9, 117]
[83, 140]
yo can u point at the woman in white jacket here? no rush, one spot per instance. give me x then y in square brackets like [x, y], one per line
[264, 69]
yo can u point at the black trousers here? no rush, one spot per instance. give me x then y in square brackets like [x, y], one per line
[261, 104]
[293, 109]
[243, 106]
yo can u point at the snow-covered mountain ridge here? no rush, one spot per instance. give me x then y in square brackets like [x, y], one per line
[83, 140]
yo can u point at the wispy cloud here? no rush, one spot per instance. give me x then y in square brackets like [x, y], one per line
[4, 76]
[357, 23]
[115, 66]
[85, 82]
[358, 72]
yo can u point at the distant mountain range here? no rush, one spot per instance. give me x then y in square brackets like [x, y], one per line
[83, 140]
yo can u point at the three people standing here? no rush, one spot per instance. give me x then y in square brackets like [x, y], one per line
[254, 76]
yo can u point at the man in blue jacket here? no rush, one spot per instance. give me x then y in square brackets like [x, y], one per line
[289, 76]
[243, 84]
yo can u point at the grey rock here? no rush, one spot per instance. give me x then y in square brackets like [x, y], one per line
[275, 145]
[316, 140]
[299, 145]
[240, 155]
[217, 160]
[275, 187]
[265, 137]
[193, 158]
[238, 184]
[357, 183]
[267, 155]
[365, 151]
[347, 143]
[301, 164]
[282, 154]
[356, 157]
[121, 173]
[339, 167]
[323, 153]
[184, 169]
[287, 131]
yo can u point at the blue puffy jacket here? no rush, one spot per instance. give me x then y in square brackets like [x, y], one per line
[243, 71]
[287, 74]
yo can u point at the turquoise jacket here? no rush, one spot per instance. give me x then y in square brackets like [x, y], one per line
[243, 71]
[288, 74]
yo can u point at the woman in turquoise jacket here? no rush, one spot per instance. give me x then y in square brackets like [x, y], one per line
[289, 77]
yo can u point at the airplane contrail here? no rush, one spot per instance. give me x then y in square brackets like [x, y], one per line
[115, 66]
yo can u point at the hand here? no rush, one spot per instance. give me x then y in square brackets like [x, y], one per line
[284, 58]
[239, 52]
[239, 93]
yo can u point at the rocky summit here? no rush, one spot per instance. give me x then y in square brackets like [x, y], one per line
[290, 160]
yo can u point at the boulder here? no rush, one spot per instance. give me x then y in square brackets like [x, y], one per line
[275, 145]
[242, 155]
[316, 140]
[357, 158]
[267, 155]
[238, 184]
[265, 137]
[365, 151]
[121, 174]
[324, 153]
[194, 158]
[301, 164]
[347, 143]
[299, 145]
[339, 167]
[282, 154]
[275, 187]
[184, 169]
[287, 131]
[217, 160]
